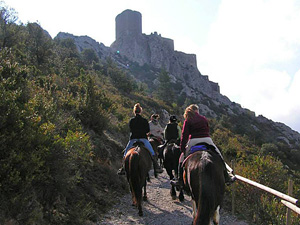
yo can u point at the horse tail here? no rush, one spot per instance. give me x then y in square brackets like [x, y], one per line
[134, 176]
[206, 197]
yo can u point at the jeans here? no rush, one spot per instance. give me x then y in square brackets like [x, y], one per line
[145, 142]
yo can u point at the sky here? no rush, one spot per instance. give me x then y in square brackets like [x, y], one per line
[251, 48]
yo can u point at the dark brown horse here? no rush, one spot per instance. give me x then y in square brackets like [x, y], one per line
[204, 178]
[137, 165]
[171, 156]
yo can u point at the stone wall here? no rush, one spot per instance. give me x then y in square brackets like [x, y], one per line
[128, 23]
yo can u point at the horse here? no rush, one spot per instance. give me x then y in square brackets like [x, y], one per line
[137, 166]
[155, 143]
[171, 154]
[204, 178]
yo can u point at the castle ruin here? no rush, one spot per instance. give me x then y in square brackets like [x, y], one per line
[128, 23]
[158, 52]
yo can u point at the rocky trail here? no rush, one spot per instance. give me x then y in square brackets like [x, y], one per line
[160, 209]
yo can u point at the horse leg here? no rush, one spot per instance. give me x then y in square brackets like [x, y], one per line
[216, 218]
[171, 176]
[176, 169]
[145, 193]
[194, 209]
[181, 195]
[140, 209]
[139, 203]
[161, 162]
[133, 197]
[173, 193]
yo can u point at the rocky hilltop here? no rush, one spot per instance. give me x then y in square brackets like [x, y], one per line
[157, 52]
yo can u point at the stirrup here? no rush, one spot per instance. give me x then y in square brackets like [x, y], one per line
[230, 178]
[121, 171]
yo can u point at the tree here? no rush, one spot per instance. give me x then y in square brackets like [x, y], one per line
[8, 28]
[269, 148]
[39, 44]
[89, 56]
[164, 90]
[92, 114]
[120, 79]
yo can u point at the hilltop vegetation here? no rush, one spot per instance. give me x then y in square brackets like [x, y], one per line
[64, 122]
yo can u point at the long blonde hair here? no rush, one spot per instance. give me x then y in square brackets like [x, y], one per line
[137, 108]
[190, 111]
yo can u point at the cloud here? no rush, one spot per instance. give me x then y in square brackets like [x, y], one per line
[250, 50]
[292, 109]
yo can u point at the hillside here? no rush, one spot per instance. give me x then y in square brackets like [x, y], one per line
[64, 112]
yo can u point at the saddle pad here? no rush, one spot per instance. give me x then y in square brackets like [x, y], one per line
[196, 148]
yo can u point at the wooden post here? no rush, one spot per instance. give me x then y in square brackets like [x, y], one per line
[233, 193]
[288, 211]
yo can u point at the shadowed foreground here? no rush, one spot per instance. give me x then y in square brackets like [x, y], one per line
[159, 209]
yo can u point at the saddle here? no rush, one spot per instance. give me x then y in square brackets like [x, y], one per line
[155, 138]
[138, 144]
[141, 144]
[199, 147]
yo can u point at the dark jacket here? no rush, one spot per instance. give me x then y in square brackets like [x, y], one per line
[171, 131]
[139, 127]
[197, 127]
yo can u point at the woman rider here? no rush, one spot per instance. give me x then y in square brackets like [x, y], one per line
[196, 130]
[155, 129]
[139, 127]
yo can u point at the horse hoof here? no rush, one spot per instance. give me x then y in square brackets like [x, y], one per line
[145, 198]
[173, 197]
[181, 198]
[141, 213]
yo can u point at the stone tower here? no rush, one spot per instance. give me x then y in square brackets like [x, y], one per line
[128, 23]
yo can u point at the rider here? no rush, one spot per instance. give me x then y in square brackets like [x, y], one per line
[196, 130]
[139, 127]
[172, 131]
[156, 131]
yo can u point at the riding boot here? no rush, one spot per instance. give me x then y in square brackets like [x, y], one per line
[121, 171]
[156, 167]
[229, 176]
[178, 182]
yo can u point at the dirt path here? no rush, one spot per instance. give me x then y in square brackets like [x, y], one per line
[160, 209]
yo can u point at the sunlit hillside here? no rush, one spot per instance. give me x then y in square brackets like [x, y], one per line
[64, 123]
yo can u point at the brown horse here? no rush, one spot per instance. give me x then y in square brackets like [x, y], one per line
[137, 165]
[155, 143]
[204, 178]
[171, 156]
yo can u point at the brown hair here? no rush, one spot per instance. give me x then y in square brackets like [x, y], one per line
[154, 116]
[190, 111]
[137, 108]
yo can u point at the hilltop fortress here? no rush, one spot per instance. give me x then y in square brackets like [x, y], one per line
[154, 50]
[132, 46]
[158, 52]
